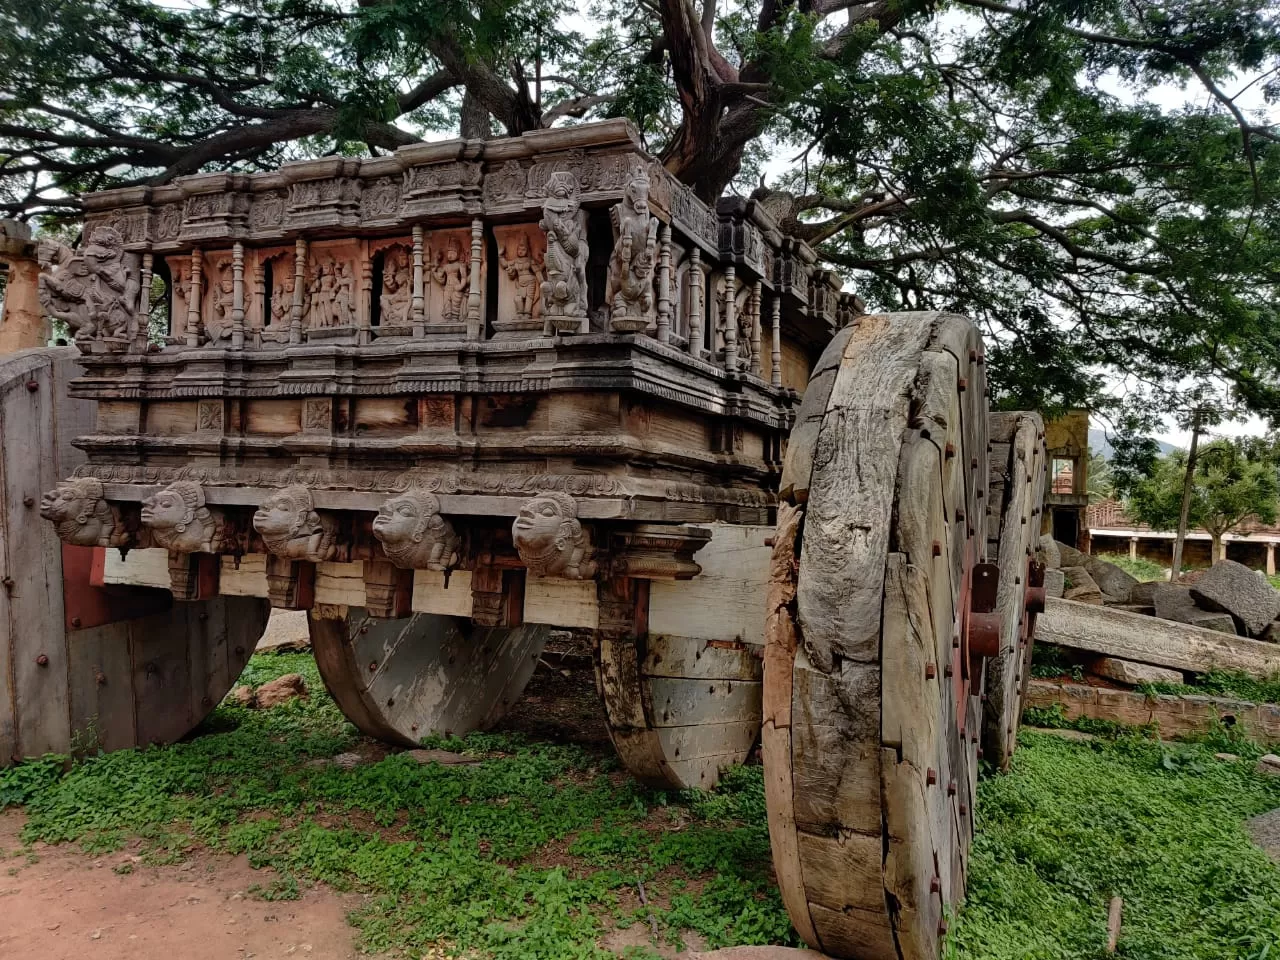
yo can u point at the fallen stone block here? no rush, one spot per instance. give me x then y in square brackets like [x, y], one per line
[1222, 622]
[1235, 589]
[1055, 583]
[1269, 764]
[1048, 553]
[1080, 586]
[1114, 583]
[1272, 633]
[1142, 593]
[1132, 674]
[1146, 611]
[1070, 556]
[1173, 601]
[281, 689]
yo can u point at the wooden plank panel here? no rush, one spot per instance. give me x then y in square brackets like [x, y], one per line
[727, 600]
[432, 593]
[667, 656]
[853, 932]
[41, 698]
[843, 871]
[162, 674]
[340, 584]
[147, 567]
[563, 603]
[679, 702]
[101, 683]
[248, 580]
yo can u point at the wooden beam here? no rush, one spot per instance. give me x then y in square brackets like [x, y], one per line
[1132, 636]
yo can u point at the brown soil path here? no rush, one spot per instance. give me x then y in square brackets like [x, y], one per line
[71, 906]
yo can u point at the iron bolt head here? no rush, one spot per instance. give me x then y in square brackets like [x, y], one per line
[42, 660]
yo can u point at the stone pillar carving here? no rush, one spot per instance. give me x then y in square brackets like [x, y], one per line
[697, 308]
[757, 298]
[629, 291]
[194, 297]
[419, 303]
[22, 322]
[299, 290]
[475, 322]
[664, 283]
[142, 319]
[730, 320]
[260, 298]
[564, 291]
[775, 355]
[364, 309]
[237, 296]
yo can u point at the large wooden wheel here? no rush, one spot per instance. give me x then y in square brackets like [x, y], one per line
[405, 679]
[872, 674]
[1017, 473]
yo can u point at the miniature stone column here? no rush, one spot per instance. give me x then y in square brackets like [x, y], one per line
[419, 305]
[696, 307]
[299, 290]
[260, 298]
[757, 298]
[193, 298]
[364, 312]
[1271, 559]
[475, 322]
[1133, 548]
[142, 319]
[237, 296]
[775, 356]
[22, 322]
[664, 283]
[730, 320]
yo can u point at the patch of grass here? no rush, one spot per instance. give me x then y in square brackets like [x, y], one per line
[1224, 683]
[1073, 824]
[536, 850]
[1139, 569]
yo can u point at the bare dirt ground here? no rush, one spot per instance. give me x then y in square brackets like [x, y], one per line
[72, 906]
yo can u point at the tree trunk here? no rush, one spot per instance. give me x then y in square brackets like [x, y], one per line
[475, 122]
[1217, 549]
[1187, 482]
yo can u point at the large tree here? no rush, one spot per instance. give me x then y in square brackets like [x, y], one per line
[1011, 160]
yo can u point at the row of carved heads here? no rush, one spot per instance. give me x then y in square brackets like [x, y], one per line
[547, 534]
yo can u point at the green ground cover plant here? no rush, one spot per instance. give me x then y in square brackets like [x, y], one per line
[1224, 683]
[1140, 569]
[538, 848]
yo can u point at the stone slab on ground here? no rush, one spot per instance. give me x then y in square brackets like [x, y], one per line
[1174, 601]
[1130, 673]
[1080, 586]
[1070, 556]
[1048, 553]
[1143, 593]
[1115, 584]
[1055, 583]
[1270, 765]
[286, 632]
[1235, 589]
[1222, 622]
[1265, 831]
[1272, 633]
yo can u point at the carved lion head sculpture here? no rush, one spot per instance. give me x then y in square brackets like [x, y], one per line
[79, 512]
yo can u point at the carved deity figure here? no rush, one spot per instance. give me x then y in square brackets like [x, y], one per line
[81, 515]
[180, 522]
[93, 291]
[526, 269]
[550, 539]
[344, 296]
[320, 301]
[629, 293]
[564, 291]
[414, 536]
[397, 288]
[291, 527]
[281, 307]
[454, 278]
[218, 326]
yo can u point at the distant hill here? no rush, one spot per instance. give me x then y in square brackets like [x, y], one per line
[1098, 443]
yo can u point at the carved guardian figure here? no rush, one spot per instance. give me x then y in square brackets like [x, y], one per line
[95, 291]
[180, 522]
[82, 516]
[564, 291]
[291, 527]
[414, 535]
[629, 293]
[550, 539]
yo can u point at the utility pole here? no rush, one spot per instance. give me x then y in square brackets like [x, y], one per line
[1180, 537]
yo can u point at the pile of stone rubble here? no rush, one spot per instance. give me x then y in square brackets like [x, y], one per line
[1228, 597]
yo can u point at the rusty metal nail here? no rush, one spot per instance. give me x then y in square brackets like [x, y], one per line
[100, 678]
[942, 928]
[206, 702]
[33, 385]
[28, 501]
[937, 548]
[963, 384]
[413, 726]
[973, 464]
[979, 753]
[75, 622]
[364, 629]
[768, 541]
[951, 788]
[955, 642]
[935, 885]
[203, 615]
[949, 451]
[239, 651]
[973, 356]
[931, 776]
[964, 809]
[930, 671]
[373, 665]
[959, 513]
[42, 660]
[948, 670]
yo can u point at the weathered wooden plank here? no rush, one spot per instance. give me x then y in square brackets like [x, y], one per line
[667, 656]
[38, 651]
[560, 602]
[148, 567]
[101, 685]
[159, 645]
[679, 702]
[842, 871]
[726, 600]
[248, 579]
[854, 933]
[1132, 636]
[340, 583]
[450, 596]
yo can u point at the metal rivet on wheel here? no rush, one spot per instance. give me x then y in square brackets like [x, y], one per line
[373, 665]
[930, 671]
[28, 501]
[75, 623]
[100, 678]
[937, 548]
[33, 386]
[949, 450]
[951, 788]
[42, 660]
[935, 885]
[931, 776]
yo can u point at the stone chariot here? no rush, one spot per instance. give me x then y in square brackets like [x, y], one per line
[446, 399]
